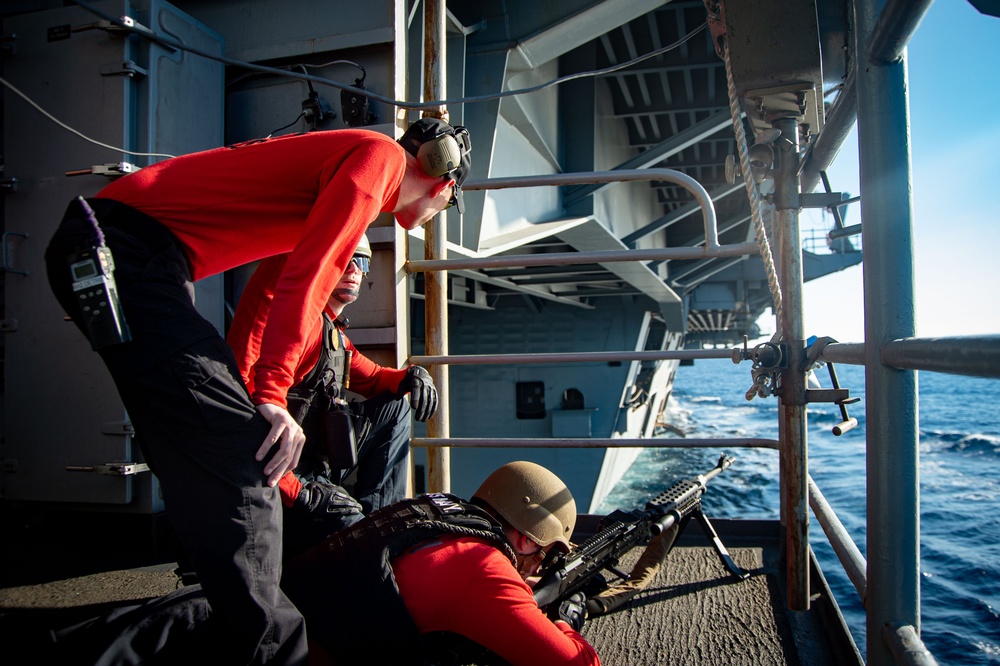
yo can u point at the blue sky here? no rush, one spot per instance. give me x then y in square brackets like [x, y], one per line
[954, 80]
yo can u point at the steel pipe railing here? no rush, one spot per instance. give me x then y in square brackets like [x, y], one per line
[897, 22]
[851, 353]
[969, 355]
[891, 405]
[570, 357]
[852, 230]
[794, 419]
[569, 258]
[594, 443]
[614, 176]
[906, 647]
[711, 248]
[435, 247]
[975, 356]
[843, 545]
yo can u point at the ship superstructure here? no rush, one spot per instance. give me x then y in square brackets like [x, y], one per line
[638, 171]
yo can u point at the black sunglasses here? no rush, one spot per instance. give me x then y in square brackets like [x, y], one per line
[364, 263]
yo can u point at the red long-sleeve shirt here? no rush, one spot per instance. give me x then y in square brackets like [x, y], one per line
[252, 315]
[310, 196]
[463, 585]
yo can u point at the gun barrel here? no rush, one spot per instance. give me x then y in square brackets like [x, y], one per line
[724, 463]
[569, 572]
[664, 523]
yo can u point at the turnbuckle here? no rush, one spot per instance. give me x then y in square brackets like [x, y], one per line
[768, 358]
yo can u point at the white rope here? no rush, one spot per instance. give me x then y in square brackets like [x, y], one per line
[754, 196]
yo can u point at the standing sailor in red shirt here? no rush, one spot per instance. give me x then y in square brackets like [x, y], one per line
[368, 440]
[217, 451]
[436, 573]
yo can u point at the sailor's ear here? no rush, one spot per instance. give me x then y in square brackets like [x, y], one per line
[440, 186]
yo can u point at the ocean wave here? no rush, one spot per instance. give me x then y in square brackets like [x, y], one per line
[702, 399]
[991, 649]
[975, 444]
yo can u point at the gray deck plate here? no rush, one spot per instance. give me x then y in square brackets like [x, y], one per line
[694, 612]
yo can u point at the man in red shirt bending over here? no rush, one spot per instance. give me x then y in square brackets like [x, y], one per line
[218, 451]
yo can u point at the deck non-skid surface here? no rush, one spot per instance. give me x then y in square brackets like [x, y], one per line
[693, 612]
[696, 612]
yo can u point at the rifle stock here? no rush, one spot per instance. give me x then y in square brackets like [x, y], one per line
[565, 574]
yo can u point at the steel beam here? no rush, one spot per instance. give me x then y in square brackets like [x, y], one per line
[893, 486]
[435, 247]
[794, 420]
[975, 356]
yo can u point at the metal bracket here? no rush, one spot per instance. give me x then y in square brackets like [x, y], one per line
[768, 358]
[115, 170]
[123, 428]
[111, 468]
[6, 258]
[123, 68]
[823, 200]
[836, 395]
[125, 26]
[717, 26]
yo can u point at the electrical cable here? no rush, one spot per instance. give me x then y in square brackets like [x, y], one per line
[74, 131]
[174, 44]
[271, 133]
[304, 66]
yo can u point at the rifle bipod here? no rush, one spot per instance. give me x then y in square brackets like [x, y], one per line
[713, 537]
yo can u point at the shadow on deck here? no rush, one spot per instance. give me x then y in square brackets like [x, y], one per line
[694, 612]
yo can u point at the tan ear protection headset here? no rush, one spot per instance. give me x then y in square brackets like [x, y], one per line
[440, 155]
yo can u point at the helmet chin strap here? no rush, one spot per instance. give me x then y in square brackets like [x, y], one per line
[346, 296]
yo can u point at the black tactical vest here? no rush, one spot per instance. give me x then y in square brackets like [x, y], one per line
[345, 587]
[310, 399]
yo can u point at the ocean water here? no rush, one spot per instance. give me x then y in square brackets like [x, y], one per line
[959, 489]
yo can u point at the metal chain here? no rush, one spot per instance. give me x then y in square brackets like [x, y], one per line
[753, 195]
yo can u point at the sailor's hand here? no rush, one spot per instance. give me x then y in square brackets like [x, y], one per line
[423, 394]
[325, 500]
[573, 611]
[288, 435]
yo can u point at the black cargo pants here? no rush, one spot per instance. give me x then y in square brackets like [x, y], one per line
[196, 426]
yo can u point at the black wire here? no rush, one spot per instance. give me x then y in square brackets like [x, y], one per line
[174, 44]
[301, 115]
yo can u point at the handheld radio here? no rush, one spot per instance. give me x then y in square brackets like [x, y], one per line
[341, 440]
[92, 270]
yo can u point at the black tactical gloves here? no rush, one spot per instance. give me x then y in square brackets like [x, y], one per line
[423, 393]
[573, 611]
[321, 500]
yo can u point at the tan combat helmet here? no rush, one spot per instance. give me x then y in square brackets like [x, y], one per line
[364, 248]
[533, 500]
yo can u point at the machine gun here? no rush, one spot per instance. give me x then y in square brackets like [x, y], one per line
[564, 574]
